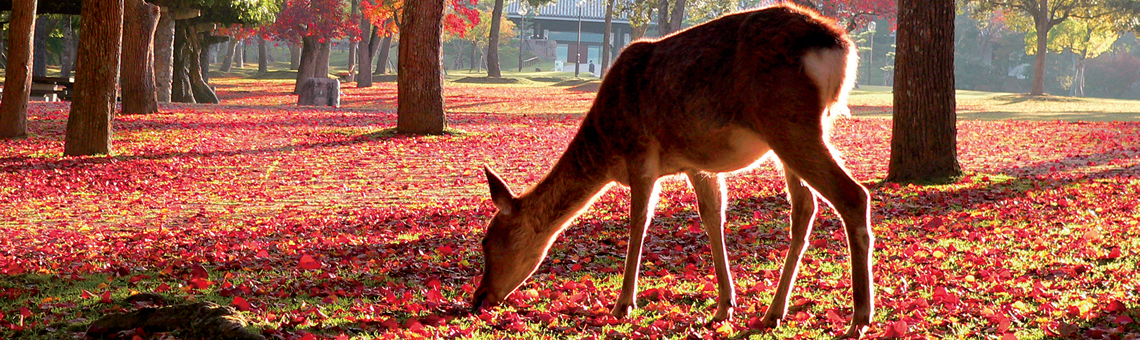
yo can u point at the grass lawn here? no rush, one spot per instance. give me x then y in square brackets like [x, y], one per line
[313, 223]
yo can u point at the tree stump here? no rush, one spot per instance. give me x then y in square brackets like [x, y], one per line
[320, 92]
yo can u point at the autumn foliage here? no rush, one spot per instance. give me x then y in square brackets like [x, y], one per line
[459, 16]
[323, 19]
[318, 224]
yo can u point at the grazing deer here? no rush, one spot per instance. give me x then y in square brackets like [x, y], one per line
[712, 99]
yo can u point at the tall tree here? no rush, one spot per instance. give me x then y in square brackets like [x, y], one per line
[640, 15]
[194, 20]
[378, 19]
[262, 55]
[164, 54]
[137, 69]
[17, 80]
[354, 43]
[493, 70]
[45, 26]
[669, 21]
[1084, 39]
[317, 23]
[97, 73]
[364, 57]
[419, 85]
[1047, 14]
[607, 44]
[924, 135]
[853, 14]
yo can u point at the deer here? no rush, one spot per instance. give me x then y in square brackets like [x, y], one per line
[708, 101]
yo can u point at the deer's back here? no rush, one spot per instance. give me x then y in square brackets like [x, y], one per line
[684, 93]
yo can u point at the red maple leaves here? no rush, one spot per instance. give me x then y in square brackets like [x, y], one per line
[306, 221]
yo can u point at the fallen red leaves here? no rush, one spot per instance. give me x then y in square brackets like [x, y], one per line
[316, 228]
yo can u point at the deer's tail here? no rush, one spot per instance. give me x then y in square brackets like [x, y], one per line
[833, 71]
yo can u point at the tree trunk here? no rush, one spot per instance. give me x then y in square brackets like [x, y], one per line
[204, 56]
[262, 56]
[17, 78]
[307, 67]
[67, 56]
[678, 16]
[1079, 79]
[382, 59]
[475, 56]
[364, 60]
[227, 61]
[924, 141]
[663, 18]
[419, 86]
[164, 55]
[97, 73]
[44, 26]
[1039, 66]
[239, 58]
[322, 67]
[493, 70]
[137, 69]
[1041, 20]
[607, 44]
[189, 84]
[294, 56]
[637, 32]
[353, 45]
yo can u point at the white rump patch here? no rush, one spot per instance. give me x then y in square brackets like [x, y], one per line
[833, 71]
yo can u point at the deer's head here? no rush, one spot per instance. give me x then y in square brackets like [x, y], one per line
[512, 247]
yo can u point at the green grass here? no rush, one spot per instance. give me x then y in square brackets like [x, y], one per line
[875, 101]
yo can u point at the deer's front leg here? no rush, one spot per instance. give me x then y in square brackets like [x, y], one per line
[643, 198]
[803, 212]
[710, 202]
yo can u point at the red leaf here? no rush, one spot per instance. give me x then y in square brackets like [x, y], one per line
[413, 324]
[933, 224]
[25, 312]
[241, 304]
[201, 283]
[1116, 306]
[199, 272]
[308, 263]
[138, 278]
[444, 250]
[308, 336]
[896, 329]
[1113, 254]
[1009, 336]
[86, 294]
[1123, 319]
[262, 254]
[831, 316]
[106, 297]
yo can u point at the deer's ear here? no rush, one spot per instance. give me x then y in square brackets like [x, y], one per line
[501, 194]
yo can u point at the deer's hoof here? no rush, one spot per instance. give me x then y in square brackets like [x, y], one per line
[855, 332]
[623, 309]
[769, 322]
[722, 313]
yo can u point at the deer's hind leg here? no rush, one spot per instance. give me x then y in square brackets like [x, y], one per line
[710, 201]
[803, 152]
[803, 213]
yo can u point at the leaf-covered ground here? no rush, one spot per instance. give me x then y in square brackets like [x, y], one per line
[319, 224]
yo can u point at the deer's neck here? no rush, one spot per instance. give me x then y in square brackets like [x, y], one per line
[578, 177]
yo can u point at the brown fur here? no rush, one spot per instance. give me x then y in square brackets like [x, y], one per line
[714, 98]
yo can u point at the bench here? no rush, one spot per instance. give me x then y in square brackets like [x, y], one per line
[50, 89]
